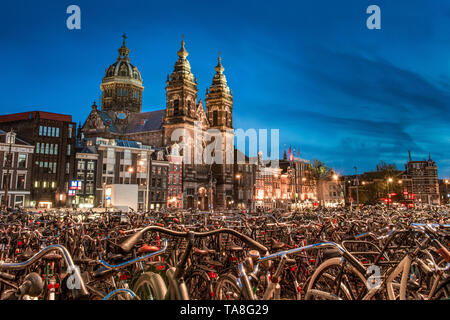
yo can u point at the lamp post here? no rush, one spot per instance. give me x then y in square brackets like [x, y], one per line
[389, 191]
[446, 181]
[357, 188]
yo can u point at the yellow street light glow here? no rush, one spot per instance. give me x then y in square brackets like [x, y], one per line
[400, 181]
[390, 180]
[335, 176]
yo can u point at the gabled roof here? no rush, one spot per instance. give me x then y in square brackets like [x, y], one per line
[146, 121]
[107, 120]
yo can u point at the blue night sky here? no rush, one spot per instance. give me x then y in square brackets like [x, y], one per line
[342, 93]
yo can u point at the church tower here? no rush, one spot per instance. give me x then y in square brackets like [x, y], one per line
[219, 100]
[219, 108]
[122, 87]
[181, 92]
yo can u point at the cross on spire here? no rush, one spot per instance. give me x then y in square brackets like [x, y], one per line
[124, 36]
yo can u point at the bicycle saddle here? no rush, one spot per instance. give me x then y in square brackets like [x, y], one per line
[147, 249]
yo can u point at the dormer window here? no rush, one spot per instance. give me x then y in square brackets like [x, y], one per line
[11, 137]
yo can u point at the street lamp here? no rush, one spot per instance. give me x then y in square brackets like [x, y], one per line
[389, 191]
[446, 181]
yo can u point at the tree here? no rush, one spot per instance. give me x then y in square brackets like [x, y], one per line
[319, 170]
[383, 166]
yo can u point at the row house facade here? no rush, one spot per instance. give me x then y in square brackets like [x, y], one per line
[16, 163]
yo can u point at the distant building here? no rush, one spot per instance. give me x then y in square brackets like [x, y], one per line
[421, 179]
[53, 136]
[16, 156]
[330, 192]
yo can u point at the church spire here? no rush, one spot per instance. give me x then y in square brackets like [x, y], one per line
[219, 81]
[182, 53]
[219, 68]
[182, 69]
[123, 50]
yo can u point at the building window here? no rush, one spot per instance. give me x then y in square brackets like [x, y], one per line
[56, 149]
[38, 147]
[36, 184]
[70, 131]
[91, 165]
[215, 118]
[22, 161]
[57, 132]
[40, 130]
[67, 167]
[176, 107]
[68, 150]
[90, 188]
[80, 165]
[18, 201]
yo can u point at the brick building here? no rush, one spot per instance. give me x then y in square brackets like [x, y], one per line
[53, 136]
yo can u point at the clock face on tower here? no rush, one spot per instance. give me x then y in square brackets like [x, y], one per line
[121, 115]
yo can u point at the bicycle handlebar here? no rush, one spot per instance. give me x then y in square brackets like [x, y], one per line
[129, 243]
[81, 290]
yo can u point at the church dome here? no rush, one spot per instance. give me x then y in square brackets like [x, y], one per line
[122, 70]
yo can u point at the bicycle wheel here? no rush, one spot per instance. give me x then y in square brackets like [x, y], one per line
[150, 286]
[333, 281]
[199, 285]
[227, 288]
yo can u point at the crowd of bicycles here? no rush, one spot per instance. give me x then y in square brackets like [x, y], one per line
[339, 254]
